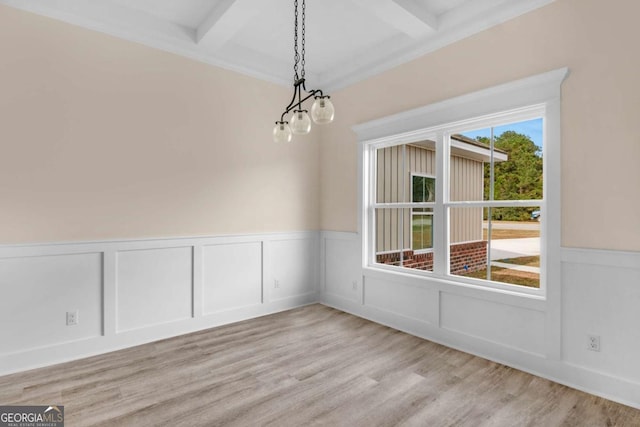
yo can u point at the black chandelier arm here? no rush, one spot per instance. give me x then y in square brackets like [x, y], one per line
[312, 92]
[298, 104]
[297, 92]
[291, 104]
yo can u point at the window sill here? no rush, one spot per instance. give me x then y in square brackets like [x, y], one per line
[422, 251]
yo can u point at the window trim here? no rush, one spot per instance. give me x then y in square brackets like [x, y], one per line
[485, 107]
[542, 89]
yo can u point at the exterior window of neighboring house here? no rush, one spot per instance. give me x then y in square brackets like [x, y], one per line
[423, 190]
[466, 200]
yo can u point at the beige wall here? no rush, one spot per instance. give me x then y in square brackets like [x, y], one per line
[597, 40]
[102, 138]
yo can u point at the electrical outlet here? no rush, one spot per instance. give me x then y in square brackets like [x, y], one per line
[72, 318]
[593, 342]
[276, 284]
[354, 285]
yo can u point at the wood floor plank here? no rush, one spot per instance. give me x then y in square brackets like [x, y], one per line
[309, 366]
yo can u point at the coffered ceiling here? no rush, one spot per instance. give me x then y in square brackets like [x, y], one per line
[347, 40]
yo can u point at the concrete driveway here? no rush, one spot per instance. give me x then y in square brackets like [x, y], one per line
[512, 225]
[514, 248]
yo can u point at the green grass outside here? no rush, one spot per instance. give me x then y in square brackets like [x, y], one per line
[422, 232]
[422, 239]
[506, 275]
[529, 261]
[497, 234]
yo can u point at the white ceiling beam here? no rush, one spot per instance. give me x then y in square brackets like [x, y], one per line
[210, 20]
[419, 11]
[226, 20]
[397, 16]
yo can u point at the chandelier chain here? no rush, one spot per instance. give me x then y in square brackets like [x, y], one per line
[304, 9]
[296, 56]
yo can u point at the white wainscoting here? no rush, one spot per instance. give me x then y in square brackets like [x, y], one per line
[412, 302]
[38, 291]
[232, 276]
[131, 292]
[518, 327]
[341, 273]
[293, 265]
[153, 286]
[600, 295]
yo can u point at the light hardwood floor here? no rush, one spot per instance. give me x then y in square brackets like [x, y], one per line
[309, 366]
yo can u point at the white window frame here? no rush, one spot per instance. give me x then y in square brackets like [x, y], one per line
[515, 101]
[441, 134]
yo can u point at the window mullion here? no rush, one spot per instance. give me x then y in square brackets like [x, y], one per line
[492, 165]
[372, 155]
[440, 220]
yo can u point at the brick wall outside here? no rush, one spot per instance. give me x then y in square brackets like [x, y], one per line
[409, 259]
[465, 258]
[468, 257]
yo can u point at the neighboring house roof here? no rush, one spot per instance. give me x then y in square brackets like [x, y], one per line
[475, 142]
[463, 146]
[467, 147]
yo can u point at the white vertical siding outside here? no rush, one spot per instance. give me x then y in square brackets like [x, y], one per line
[467, 181]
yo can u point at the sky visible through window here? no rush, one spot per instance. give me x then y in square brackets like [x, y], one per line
[531, 128]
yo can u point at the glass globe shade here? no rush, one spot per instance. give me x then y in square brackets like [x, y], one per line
[322, 110]
[300, 122]
[282, 132]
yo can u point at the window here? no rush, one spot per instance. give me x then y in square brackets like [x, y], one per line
[423, 190]
[495, 238]
[494, 185]
[457, 190]
[405, 196]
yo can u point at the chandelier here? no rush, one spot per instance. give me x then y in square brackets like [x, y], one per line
[322, 110]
